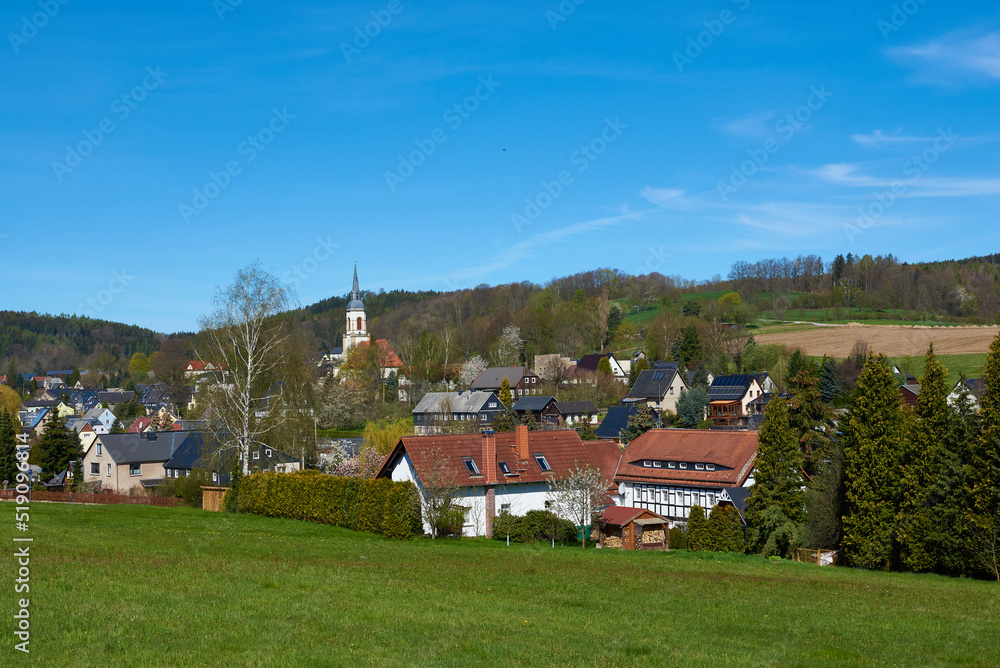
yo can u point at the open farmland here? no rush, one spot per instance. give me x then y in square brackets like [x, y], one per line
[893, 340]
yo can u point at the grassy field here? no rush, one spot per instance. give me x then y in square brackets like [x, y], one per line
[133, 585]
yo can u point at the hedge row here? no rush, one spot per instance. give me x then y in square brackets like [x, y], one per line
[376, 506]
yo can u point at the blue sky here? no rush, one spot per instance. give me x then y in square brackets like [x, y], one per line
[148, 150]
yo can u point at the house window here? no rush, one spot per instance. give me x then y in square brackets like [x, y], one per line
[100, 449]
[699, 467]
[135, 469]
[256, 455]
[95, 468]
[671, 390]
[710, 467]
[267, 452]
[215, 477]
[657, 465]
[108, 470]
[471, 466]
[542, 462]
[684, 465]
[505, 468]
[671, 465]
[504, 507]
[647, 464]
[493, 404]
[548, 505]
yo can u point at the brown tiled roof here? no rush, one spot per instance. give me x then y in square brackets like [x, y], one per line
[622, 515]
[563, 449]
[389, 355]
[733, 451]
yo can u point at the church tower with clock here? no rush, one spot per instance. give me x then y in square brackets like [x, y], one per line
[357, 321]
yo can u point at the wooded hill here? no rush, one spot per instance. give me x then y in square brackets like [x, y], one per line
[573, 315]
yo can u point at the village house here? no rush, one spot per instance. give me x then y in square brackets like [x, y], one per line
[616, 419]
[669, 470]
[574, 413]
[908, 394]
[975, 387]
[584, 370]
[660, 388]
[121, 462]
[730, 397]
[496, 472]
[522, 381]
[466, 411]
[542, 410]
[195, 451]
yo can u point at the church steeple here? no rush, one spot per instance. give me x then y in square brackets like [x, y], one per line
[355, 291]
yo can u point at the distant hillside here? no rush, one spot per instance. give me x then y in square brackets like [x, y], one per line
[42, 342]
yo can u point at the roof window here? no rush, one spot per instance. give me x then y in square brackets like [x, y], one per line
[505, 468]
[471, 465]
[542, 462]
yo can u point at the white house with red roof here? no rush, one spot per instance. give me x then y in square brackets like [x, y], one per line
[496, 472]
[669, 470]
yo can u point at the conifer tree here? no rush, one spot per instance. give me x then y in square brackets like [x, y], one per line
[8, 449]
[798, 362]
[922, 453]
[505, 396]
[56, 449]
[777, 474]
[873, 438]
[690, 348]
[983, 468]
[697, 529]
[725, 531]
[829, 384]
[809, 418]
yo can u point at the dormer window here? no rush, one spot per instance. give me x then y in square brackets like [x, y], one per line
[699, 467]
[542, 462]
[684, 465]
[657, 465]
[647, 464]
[671, 465]
[710, 467]
[470, 464]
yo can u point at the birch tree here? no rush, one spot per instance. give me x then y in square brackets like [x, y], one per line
[244, 335]
[578, 496]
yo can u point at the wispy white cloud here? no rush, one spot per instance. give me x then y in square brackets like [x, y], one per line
[878, 138]
[924, 186]
[753, 126]
[962, 53]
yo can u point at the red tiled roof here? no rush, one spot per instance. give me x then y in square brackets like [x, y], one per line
[622, 515]
[389, 355]
[139, 425]
[734, 452]
[563, 450]
[196, 365]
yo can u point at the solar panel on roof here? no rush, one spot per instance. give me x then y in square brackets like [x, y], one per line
[658, 375]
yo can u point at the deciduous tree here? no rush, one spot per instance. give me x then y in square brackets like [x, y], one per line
[578, 496]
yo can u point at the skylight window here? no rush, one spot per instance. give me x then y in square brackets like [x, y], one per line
[471, 465]
[505, 468]
[542, 462]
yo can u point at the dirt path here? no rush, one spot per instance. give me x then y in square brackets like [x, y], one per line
[893, 340]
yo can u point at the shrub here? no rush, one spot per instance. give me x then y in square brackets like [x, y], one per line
[697, 529]
[678, 538]
[533, 525]
[375, 506]
[189, 488]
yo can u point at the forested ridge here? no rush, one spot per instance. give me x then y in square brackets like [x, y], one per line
[571, 315]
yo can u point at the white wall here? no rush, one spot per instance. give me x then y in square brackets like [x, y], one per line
[671, 501]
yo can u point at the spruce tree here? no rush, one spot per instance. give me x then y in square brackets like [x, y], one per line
[948, 495]
[505, 396]
[873, 440]
[57, 447]
[983, 466]
[697, 529]
[809, 418]
[829, 383]
[922, 453]
[8, 449]
[690, 348]
[777, 474]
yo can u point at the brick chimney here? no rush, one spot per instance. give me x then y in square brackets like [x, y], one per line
[521, 442]
[489, 457]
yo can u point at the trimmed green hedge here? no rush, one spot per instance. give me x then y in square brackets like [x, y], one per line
[376, 506]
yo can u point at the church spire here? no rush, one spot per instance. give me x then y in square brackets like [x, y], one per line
[355, 291]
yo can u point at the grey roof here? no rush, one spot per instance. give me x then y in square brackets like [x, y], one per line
[115, 397]
[492, 378]
[730, 387]
[576, 407]
[458, 402]
[590, 362]
[355, 302]
[912, 387]
[615, 421]
[532, 403]
[976, 387]
[738, 495]
[653, 383]
[139, 448]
